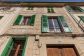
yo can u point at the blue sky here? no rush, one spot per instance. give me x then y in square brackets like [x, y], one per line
[44, 0]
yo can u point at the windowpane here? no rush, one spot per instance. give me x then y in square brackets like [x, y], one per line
[57, 27]
[51, 27]
[51, 24]
[56, 23]
[26, 20]
[18, 46]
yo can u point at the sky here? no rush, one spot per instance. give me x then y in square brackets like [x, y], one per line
[43, 0]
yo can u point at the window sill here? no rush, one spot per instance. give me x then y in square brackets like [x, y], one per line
[20, 26]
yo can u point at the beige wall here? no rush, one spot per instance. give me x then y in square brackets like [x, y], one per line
[38, 48]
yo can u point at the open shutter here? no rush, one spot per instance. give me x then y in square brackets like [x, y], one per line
[1, 17]
[44, 26]
[69, 8]
[64, 24]
[81, 18]
[80, 9]
[32, 20]
[18, 20]
[7, 47]
[23, 52]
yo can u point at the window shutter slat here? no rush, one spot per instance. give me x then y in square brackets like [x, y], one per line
[24, 49]
[64, 24]
[82, 18]
[32, 20]
[7, 47]
[69, 9]
[45, 26]
[80, 9]
[18, 20]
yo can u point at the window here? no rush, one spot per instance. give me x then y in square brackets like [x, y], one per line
[54, 24]
[15, 47]
[50, 10]
[74, 9]
[30, 8]
[1, 17]
[81, 22]
[62, 50]
[5, 8]
[81, 18]
[18, 47]
[25, 20]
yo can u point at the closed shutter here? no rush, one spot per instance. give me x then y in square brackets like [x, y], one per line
[18, 20]
[32, 20]
[81, 18]
[44, 26]
[7, 47]
[49, 10]
[30, 8]
[64, 24]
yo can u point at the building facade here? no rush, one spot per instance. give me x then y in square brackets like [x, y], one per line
[42, 31]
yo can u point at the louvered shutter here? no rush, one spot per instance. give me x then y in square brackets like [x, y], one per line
[32, 20]
[7, 47]
[64, 24]
[18, 20]
[69, 8]
[44, 26]
[81, 18]
[81, 10]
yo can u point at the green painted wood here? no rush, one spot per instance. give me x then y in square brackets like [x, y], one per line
[23, 52]
[50, 10]
[64, 24]
[1, 17]
[81, 10]
[7, 48]
[32, 20]
[69, 8]
[44, 24]
[18, 20]
[81, 18]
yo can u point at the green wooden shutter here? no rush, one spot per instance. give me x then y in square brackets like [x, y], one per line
[64, 24]
[30, 8]
[18, 20]
[69, 8]
[44, 24]
[23, 52]
[81, 18]
[81, 10]
[1, 17]
[7, 47]
[50, 10]
[32, 20]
